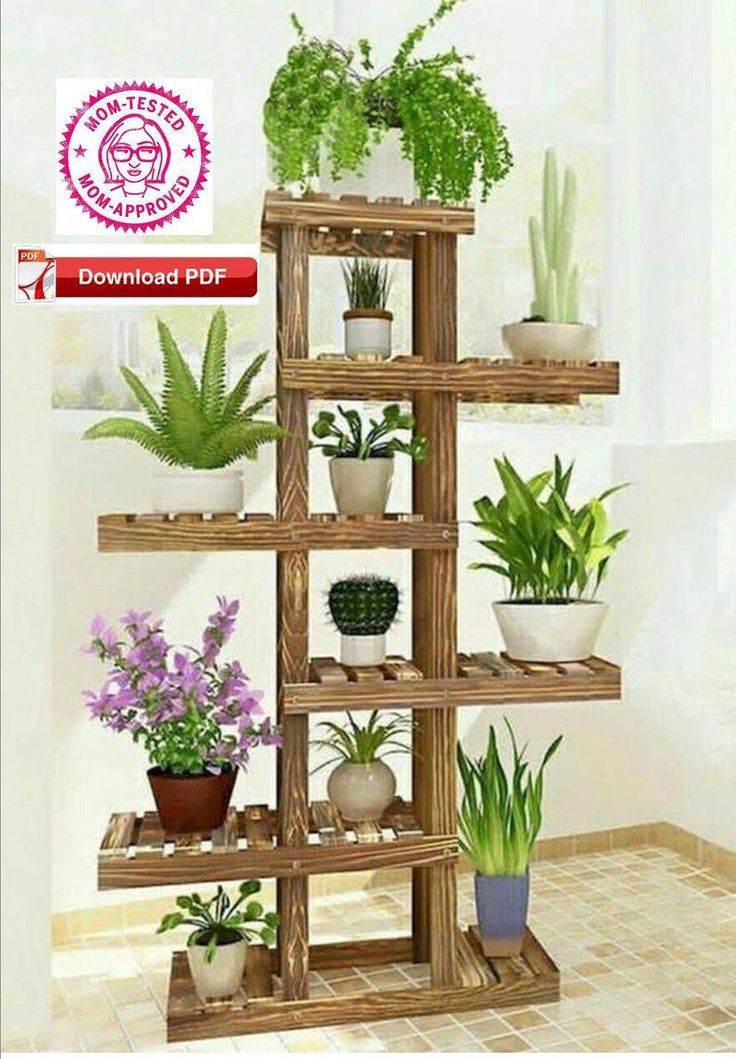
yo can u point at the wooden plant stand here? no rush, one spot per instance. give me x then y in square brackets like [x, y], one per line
[298, 839]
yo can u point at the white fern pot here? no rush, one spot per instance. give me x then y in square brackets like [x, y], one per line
[535, 341]
[361, 792]
[385, 174]
[550, 632]
[363, 650]
[223, 977]
[361, 487]
[187, 491]
[368, 333]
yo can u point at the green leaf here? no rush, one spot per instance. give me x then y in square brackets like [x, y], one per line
[187, 429]
[178, 378]
[144, 397]
[134, 430]
[240, 391]
[243, 437]
[212, 390]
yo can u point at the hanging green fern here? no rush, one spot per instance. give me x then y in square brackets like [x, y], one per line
[196, 425]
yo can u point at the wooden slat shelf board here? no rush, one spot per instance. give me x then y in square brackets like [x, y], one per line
[356, 212]
[474, 379]
[238, 532]
[484, 678]
[342, 242]
[258, 1007]
[136, 852]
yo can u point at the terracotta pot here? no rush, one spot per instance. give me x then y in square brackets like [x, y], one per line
[224, 975]
[187, 804]
[550, 632]
[535, 341]
[367, 333]
[361, 487]
[502, 904]
[362, 792]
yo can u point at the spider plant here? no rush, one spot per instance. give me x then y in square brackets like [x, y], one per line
[549, 550]
[196, 425]
[367, 284]
[358, 744]
[360, 443]
[219, 921]
[500, 816]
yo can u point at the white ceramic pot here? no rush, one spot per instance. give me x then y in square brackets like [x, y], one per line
[367, 333]
[222, 977]
[189, 491]
[363, 650]
[542, 341]
[361, 792]
[386, 173]
[361, 487]
[550, 632]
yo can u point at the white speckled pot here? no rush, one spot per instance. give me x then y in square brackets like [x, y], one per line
[361, 792]
[222, 977]
[361, 487]
[550, 632]
[542, 341]
[185, 490]
[367, 333]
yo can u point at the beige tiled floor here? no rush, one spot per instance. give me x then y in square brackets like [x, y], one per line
[645, 941]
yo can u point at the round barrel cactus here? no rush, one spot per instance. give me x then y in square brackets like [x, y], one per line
[363, 605]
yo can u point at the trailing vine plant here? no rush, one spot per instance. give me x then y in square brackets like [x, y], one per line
[329, 99]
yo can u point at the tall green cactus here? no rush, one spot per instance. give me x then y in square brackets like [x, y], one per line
[556, 281]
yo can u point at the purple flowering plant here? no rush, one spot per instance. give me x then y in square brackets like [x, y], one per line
[192, 712]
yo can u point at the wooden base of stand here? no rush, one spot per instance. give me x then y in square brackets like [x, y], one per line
[258, 1007]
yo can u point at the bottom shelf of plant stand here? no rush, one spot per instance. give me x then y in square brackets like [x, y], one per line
[258, 1006]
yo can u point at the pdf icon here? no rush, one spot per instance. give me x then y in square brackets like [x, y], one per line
[34, 273]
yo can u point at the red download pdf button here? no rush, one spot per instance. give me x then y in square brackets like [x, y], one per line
[162, 277]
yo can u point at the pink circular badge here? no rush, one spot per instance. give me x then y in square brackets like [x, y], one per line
[134, 156]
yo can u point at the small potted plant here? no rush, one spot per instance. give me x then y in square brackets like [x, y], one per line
[363, 786]
[498, 823]
[197, 717]
[362, 459]
[367, 321]
[218, 945]
[200, 430]
[553, 331]
[363, 608]
[551, 554]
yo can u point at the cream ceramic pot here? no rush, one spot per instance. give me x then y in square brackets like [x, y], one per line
[363, 650]
[550, 632]
[188, 491]
[361, 487]
[367, 333]
[362, 792]
[549, 341]
[224, 975]
[385, 173]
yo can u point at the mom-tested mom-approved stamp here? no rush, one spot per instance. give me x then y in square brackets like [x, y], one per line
[134, 156]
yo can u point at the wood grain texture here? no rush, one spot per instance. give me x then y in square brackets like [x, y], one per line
[473, 379]
[341, 242]
[353, 211]
[481, 985]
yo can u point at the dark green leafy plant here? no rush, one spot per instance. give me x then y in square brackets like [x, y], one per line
[219, 921]
[359, 744]
[200, 426]
[364, 605]
[548, 550]
[367, 283]
[326, 97]
[500, 817]
[358, 444]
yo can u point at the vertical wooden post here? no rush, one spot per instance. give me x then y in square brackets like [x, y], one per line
[292, 609]
[434, 602]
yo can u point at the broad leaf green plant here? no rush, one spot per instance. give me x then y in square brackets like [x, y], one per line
[500, 814]
[362, 443]
[221, 921]
[548, 550]
[197, 425]
[362, 744]
[330, 99]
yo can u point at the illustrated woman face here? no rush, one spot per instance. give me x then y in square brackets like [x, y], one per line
[135, 155]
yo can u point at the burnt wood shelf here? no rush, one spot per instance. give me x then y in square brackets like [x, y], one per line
[475, 379]
[135, 851]
[356, 214]
[484, 679]
[248, 532]
[259, 1006]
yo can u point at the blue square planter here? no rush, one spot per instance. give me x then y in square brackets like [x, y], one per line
[502, 903]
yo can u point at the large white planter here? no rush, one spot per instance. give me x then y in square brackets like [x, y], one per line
[363, 650]
[386, 174]
[361, 487]
[189, 491]
[550, 632]
[361, 792]
[222, 977]
[367, 333]
[543, 341]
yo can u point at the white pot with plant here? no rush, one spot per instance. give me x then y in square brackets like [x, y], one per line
[553, 331]
[362, 458]
[363, 608]
[367, 321]
[553, 556]
[197, 430]
[363, 786]
[498, 823]
[217, 948]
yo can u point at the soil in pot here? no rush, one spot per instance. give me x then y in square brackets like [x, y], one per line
[361, 792]
[188, 804]
[361, 487]
[224, 975]
[560, 631]
[502, 904]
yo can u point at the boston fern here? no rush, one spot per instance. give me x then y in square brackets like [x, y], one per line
[196, 425]
[327, 98]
